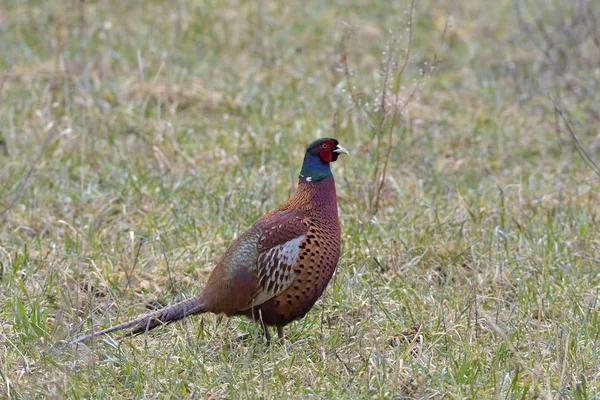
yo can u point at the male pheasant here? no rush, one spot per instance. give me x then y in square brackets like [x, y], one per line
[274, 272]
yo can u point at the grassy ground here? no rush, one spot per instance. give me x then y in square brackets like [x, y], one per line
[137, 141]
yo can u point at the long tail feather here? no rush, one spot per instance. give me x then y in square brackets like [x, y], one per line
[148, 322]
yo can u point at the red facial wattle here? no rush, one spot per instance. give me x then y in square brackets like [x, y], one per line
[325, 155]
[326, 151]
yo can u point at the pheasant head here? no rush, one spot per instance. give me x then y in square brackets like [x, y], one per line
[318, 157]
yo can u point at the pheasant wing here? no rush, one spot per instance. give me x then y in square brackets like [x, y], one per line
[278, 249]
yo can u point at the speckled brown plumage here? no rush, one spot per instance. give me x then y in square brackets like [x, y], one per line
[317, 258]
[274, 272]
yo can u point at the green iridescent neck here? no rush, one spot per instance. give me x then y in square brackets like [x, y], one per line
[314, 169]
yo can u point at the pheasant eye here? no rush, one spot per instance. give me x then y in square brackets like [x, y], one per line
[324, 145]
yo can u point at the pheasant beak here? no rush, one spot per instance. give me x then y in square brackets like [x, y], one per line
[339, 149]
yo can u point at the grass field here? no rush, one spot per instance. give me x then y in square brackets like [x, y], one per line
[137, 141]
